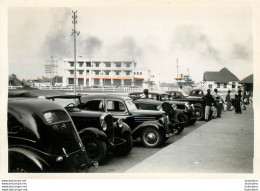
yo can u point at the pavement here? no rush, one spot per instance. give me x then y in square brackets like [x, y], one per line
[223, 145]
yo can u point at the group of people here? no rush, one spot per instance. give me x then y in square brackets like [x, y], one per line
[213, 104]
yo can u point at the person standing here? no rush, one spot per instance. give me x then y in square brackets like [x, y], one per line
[209, 104]
[228, 101]
[217, 102]
[145, 94]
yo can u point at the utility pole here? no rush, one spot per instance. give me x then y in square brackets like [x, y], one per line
[75, 33]
[51, 68]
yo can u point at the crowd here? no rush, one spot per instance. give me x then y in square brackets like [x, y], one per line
[215, 105]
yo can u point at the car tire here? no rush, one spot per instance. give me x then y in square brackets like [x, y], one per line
[180, 129]
[95, 149]
[183, 118]
[125, 148]
[192, 122]
[151, 137]
[200, 113]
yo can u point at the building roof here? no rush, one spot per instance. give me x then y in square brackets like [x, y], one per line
[247, 80]
[222, 76]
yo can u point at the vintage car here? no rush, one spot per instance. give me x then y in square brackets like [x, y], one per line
[43, 138]
[195, 98]
[171, 111]
[190, 116]
[116, 136]
[153, 127]
[98, 131]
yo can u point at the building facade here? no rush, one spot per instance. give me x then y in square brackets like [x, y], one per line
[223, 80]
[104, 73]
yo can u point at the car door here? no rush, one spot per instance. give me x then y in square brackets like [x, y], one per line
[89, 114]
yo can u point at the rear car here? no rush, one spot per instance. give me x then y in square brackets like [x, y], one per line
[43, 138]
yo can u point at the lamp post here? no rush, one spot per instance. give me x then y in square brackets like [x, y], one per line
[75, 33]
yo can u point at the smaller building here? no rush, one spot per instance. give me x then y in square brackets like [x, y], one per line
[223, 80]
[248, 83]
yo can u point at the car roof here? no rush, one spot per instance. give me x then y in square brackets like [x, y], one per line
[34, 93]
[111, 96]
[150, 92]
[33, 105]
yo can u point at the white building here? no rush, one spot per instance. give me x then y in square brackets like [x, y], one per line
[92, 72]
[223, 80]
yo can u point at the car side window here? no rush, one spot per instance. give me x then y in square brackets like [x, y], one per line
[13, 125]
[115, 106]
[94, 105]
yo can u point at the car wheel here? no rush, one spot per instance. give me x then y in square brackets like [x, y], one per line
[192, 122]
[183, 119]
[95, 148]
[200, 113]
[125, 148]
[180, 129]
[151, 137]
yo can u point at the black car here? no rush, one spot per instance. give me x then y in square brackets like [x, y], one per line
[43, 138]
[153, 127]
[171, 111]
[106, 133]
[195, 97]
[190, 116]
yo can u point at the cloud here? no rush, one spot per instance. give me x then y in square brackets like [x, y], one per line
[89, 46]
[128, 47]
[241, 51]
[193, 40]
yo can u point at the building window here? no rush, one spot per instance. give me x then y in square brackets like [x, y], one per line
[81, 64]
[128, 65]
[81, 72]
[80, 81]
[118, 65]
[140, 73]
[96, 72]
[233, 84]
[71, 64]
[218, 85]
[71, 80]
[71, 71]
[87, 71]
[97, 64]
[137, 73]
[225, 85]
[108, 64]
[88, 64]
[134, 73]
[106, 72]
[210, 85]
[127, 73]
[117, 73]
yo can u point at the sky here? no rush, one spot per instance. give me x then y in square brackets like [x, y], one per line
[202, 39]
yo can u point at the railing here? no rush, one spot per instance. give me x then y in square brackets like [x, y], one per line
[14, 87]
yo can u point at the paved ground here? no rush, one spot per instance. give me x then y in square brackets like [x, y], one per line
[223, 145]
[115, 164]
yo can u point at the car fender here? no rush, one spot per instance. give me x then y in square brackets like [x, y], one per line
[94, 132]
[126, 129]
[25, 155]
[199, 105]
[137, 130]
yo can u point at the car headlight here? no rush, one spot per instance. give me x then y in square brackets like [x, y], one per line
[104, 125]
[187, 105]
[159, 108]
[174, 106]
[120, 123]
[192, 106]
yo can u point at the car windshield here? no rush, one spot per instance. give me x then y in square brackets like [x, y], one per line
[67, 102]
[165, 97]
[130, 104]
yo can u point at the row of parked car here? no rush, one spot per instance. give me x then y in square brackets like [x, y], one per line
[71, 133]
